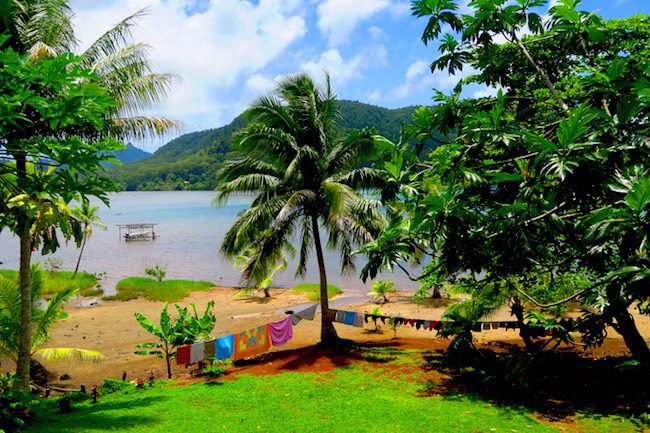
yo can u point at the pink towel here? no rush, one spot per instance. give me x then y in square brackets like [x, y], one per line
[281, 331]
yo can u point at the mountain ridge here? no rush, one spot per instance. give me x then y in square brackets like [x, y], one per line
[191, 160]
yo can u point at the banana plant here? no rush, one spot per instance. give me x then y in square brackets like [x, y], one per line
[171, 333]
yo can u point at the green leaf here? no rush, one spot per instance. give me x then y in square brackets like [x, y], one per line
[639, 196]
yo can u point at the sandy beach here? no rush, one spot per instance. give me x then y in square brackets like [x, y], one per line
[110, 327]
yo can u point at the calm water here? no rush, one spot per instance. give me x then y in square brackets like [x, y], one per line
[190, 231]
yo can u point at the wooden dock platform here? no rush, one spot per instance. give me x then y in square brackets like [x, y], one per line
[137, 232]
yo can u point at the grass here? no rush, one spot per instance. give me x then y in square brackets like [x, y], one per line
[313, 290]
[166, 290]
[349, 399]
[57, 280]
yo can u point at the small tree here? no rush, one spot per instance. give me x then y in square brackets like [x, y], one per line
[174, 333]
[381, 289]
[87, 215]
[157, 273]
[394, 322]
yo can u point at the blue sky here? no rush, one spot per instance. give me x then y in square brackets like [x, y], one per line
[228, 52]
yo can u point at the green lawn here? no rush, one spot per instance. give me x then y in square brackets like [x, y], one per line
[57, 280]
[167, 290]
[350, 399]
[313, 290]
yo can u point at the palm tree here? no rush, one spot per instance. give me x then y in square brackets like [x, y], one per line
[304, 179]
[381, 289]
[88, 217]
[261, 277]
[43, 317]
[43, 28]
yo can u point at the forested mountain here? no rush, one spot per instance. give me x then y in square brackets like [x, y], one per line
[131, 154]
[191, 160]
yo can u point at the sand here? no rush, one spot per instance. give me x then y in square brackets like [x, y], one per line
[110, 327]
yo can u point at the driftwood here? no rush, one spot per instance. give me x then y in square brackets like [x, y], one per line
[57, 389]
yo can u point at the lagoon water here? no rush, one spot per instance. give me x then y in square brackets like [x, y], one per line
[189, 232]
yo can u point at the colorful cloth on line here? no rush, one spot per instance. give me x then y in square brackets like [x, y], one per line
[349, 318]
[197, 351]
[183, 355]
[252, 342]
[340, 316]
[281, 332]
[224, 347]
[208, 352]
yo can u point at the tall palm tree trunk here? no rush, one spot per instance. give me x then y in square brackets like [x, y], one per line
[81, 251]
[328, 335]
[25, 342]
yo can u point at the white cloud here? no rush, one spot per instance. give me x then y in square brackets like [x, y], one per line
[400, 9]
[416, 69]
[340, 70]
[260, 83]
[211, 50]
[337, 19]
[485, 92]
[375, 32]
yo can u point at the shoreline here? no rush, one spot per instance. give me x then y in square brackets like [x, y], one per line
[110, 327]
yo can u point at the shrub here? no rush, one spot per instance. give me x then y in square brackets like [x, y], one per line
[156, 273]
[215, 370]
[109, 386]
[14, 405]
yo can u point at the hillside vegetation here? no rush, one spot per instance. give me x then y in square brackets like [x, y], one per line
[191, 160]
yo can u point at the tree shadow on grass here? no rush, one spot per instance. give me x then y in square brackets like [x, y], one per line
[555, 384]
[105, 415]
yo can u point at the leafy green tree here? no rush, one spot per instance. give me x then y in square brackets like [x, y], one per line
[304, 178]
[171, 334]
[546, 179]
[381, 289]
[157, 273]
[53, 111]
[87, 216]
[44, 315]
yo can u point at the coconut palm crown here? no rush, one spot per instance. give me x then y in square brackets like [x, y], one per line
[304, 178]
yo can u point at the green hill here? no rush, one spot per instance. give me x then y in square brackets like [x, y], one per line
[191, 160]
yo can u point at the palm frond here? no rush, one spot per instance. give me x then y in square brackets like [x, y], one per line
[142, 127]
[69, 355]
[113, 40]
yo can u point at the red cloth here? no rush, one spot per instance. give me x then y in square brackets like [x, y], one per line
[183, 355]
[410, 322]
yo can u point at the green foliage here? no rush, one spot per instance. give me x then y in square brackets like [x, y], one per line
[166, 291]
[381, 289]
[157, 273]
[313, 290]
[190, 161]
[215, 370]
[394, 323]
[14, 405]
[83, 284]
[187, 328]
[110, 386]
[540, 193]
[44, 315]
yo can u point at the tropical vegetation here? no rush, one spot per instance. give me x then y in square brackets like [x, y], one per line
[312, 290]
[186, 328]
[155, 290]
[83, 283]
[305, 178]
[542, 182]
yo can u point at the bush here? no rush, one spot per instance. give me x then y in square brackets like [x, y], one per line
[14, 405]
[215, 370]
[109, 386]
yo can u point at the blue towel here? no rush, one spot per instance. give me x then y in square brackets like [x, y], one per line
[224, 347]
[349, 318]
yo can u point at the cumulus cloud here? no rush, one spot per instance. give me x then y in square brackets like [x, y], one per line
[211, 48]
[259, 83]
[337, 19]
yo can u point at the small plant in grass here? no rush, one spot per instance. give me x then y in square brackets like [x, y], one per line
[157, 273]
[215, 370]
[394, 322]
[110, 386]
[381, 289]
[174, 333]
[53, 264]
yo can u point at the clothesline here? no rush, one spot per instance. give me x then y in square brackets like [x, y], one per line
[258, 340]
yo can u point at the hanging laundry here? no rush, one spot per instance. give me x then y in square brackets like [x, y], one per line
[307, 313]
[358, 320]
[252, 342]
[419, 324]
[349, 318]
[426, 324]
[197, 351]
[295, 319]
[224, 347]
[208, 352]
[339, 317]
[281, 331]
[183, 355]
